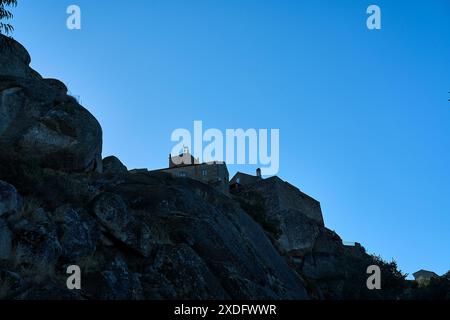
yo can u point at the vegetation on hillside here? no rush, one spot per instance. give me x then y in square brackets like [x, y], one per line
[5, 15]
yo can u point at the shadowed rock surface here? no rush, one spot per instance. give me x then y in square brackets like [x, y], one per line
[144, 235]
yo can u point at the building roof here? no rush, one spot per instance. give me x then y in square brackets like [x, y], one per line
[244, 178]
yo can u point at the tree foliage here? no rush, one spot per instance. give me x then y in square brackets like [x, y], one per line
[5, 14]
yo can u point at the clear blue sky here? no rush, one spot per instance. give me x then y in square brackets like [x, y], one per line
[363, 115]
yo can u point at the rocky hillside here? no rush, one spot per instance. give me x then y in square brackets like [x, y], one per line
[143, 235]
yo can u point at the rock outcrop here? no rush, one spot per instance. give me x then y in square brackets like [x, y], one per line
[8, 198]
[15, 60]
[112, 166]
[135, 235]
[139, 234]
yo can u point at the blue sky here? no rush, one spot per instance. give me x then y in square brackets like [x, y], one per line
[363, 115]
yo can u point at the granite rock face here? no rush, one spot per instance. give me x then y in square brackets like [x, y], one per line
[15, 60]
[8, 198]
[113, 166]
[139, 234]
[297, 216]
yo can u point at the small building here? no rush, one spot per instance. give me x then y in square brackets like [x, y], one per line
[242, 179]
[423, 277]
[186, 165]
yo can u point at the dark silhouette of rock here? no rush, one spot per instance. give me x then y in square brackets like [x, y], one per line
[15, 60]
[121, 223]
[12, 284]
[5, 241]
[77, 233]
[39, 122]
[36, 247]
[190, 277]
[8, 198]
[131, 233]
[295, 223]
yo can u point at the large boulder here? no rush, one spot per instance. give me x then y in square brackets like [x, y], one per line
[11, 284]
[15, 60]
[36, 248]
[49, 288]
[41, 124]
[77, 233]
[293, 217]
[5, 241]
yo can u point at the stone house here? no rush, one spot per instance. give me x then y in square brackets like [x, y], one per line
[423, 277]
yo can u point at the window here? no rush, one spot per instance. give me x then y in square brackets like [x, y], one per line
[182, 174]
[238, 180]
[204, 173]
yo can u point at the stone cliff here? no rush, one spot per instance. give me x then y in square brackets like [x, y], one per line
[143, 235]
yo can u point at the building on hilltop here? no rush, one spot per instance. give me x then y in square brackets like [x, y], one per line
[279, 195]
[243, 179]
[182, 160]
[185, 165]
